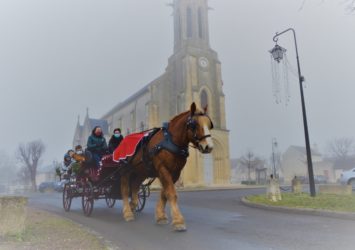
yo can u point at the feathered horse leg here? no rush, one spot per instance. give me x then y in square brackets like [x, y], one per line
[170, 193]
[135, 186]
[127, 211]
[160, 215]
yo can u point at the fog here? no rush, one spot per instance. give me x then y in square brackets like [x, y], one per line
[58, 57]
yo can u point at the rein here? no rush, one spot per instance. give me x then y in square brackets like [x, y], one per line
[192, 126]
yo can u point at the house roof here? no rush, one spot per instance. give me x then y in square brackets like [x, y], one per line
[303, 150]
[345, 164]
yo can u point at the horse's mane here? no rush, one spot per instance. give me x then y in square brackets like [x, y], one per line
[177, 117]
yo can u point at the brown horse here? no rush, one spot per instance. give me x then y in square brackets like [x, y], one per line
[164, 156]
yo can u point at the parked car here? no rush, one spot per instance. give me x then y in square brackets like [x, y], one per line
[59, 186]
[348, 177]
[2, 188]
[46, 186]
[320, 179]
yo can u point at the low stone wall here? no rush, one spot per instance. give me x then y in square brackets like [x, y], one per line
[12, 214]
[335, 189]
[296, 186]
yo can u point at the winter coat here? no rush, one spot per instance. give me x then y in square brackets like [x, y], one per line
[114, 142]
[97, 144]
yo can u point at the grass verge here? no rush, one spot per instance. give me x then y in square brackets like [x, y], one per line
[47, 231]
[331, 202]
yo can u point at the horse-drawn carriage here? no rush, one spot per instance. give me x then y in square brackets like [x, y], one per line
[90, 184]
[161, 153]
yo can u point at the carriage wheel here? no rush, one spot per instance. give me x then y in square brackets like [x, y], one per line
[110, 202]
[142, 194]
[66, 197]
[147, 189]
[87, 199]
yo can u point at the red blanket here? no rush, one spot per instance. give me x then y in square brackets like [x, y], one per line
[127, 146]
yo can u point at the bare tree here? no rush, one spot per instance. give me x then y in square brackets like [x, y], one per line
[24, 176]
[7, 168]
[251, 162]
[348, 4]
[340, 148]
[29, 155]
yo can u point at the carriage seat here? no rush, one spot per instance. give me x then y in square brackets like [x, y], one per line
[107, 159]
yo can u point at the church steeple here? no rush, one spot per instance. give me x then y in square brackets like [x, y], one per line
[190, 24]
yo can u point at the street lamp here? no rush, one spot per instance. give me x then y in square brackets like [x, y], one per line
[277, 53]
[274, 145]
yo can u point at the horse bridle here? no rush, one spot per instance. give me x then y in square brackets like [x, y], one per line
[192, 126]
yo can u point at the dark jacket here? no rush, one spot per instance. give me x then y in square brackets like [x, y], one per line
[97, 144]
[114, 142]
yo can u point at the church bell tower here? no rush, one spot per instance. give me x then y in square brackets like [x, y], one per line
[190, 24]
[195, 76]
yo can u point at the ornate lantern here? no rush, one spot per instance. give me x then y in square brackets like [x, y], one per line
[277, 53]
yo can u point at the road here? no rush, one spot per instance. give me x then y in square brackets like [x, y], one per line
[215, 220]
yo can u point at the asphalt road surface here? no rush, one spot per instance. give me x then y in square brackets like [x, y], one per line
[216, 220]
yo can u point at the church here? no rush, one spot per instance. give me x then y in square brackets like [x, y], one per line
[193, 74]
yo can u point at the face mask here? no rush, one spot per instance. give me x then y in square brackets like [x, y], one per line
[79, 152]
[117, 135]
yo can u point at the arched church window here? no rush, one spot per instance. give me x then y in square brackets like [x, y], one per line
[204, 99]
[200, 26]
[189, 22]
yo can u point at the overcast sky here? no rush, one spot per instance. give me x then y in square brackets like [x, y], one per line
[58, 57]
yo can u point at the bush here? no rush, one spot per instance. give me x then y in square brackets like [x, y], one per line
[249, 182]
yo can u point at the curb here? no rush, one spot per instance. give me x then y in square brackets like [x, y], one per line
[198, 189]
[307, 211]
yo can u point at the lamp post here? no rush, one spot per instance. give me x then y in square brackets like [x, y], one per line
[277, 53]
[274, 145]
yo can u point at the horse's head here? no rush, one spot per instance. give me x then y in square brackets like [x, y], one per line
[199, 125]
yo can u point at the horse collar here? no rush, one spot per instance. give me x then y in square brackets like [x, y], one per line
[168, 144]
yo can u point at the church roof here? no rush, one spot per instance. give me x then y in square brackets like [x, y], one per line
[80, 129]
[133, 97]
[99, 122]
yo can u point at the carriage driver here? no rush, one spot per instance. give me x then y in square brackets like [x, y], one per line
[97, 144]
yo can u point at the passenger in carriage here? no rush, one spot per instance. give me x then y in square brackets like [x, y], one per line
[115, 140]
[67, 161]
[97, 145]
[78, 158]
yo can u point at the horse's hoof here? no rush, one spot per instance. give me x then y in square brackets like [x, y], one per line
[163, 221]
[129, 218]
[180, 228]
